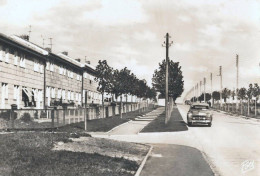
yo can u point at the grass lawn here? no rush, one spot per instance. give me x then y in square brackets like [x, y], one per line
[31, 154]
[175, 123]
[102, 125]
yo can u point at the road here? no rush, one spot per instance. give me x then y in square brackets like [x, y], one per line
[230, 142]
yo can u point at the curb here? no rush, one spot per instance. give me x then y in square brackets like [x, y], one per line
[210, 163]
[138, 172]
[118, 126]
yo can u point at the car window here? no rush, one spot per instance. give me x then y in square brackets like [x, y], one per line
[199, 107]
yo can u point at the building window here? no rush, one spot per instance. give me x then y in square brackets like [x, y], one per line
[5, 90]
[52, 67]
[79, 97]
[41, 68]
[59, 93]
[64, 71]
[15, 58]
[61, 70]
[68, 95]
[72, 96]
[63, 94]
[47, 65]
[16, 92]
[48, 91]
[1, 53]
[22, 61]
[53, 92]
[76, 98]
[7, 55]
[36, 67]
[40, 95]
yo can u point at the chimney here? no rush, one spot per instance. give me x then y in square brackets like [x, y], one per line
[78, 59]
[48, 49]
[65, 53]
[25, 37]
[88, 62]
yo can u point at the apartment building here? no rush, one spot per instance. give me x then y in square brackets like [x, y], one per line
[90, 86]
[21, 73]
[63, 80]
[33, 77]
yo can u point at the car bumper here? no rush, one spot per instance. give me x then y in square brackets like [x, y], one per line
[200, 121]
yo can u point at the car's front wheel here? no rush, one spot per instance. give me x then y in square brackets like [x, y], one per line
[209, 124]
[189, 123]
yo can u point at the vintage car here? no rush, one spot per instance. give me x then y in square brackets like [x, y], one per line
[199, 114]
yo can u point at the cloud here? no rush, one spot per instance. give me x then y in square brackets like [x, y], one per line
[205, 33]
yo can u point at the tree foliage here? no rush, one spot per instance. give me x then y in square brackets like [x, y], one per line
[175, 79]
[103, 77]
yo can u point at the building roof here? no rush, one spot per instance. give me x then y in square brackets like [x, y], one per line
[71, 60]
[29, 45]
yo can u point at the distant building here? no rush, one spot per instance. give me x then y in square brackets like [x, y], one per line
[33, 77]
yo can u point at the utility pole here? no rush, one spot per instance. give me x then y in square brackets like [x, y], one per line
[51, 43]
[30, 30]
[167, 45]
[194, 94]
[200, 88]
[220, 74]
[211, 89]
[237, 64]
[204, 80]
[197, 92]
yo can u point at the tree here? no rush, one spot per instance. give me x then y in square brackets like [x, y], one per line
[226, 94]
[201, 97]
[216, 95]
[256, 91]
[249, 92]
[242, 93]
[103, 77]
[176, 82]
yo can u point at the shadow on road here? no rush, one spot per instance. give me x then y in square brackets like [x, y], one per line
[176, 123]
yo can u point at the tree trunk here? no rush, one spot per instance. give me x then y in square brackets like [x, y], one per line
[103, 106]
[248, 112]
[255, 107]
[126, 105]
[121, 107]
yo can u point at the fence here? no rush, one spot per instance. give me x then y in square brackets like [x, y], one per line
[52, 118]
[245, 109]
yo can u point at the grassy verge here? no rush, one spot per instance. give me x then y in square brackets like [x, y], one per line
[102, 125]
[25, 154]
[175, 123]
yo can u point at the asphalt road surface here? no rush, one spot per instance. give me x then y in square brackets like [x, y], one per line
[231, 146]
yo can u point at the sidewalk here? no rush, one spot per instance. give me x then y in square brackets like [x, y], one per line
[135, 126]
[176, 160]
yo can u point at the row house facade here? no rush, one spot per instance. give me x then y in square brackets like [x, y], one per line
[33, 77]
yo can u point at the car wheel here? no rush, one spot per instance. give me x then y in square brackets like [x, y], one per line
[189, 123]
[209, 124]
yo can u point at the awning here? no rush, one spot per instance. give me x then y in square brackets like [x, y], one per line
[27, 93]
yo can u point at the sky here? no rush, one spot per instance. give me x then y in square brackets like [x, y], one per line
[206, 34]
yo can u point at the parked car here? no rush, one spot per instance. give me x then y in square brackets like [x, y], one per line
[199, 114]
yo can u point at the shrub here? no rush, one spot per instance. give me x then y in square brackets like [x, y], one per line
[36, 115]
[43, 114]
[26, 117]
[6, 115]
